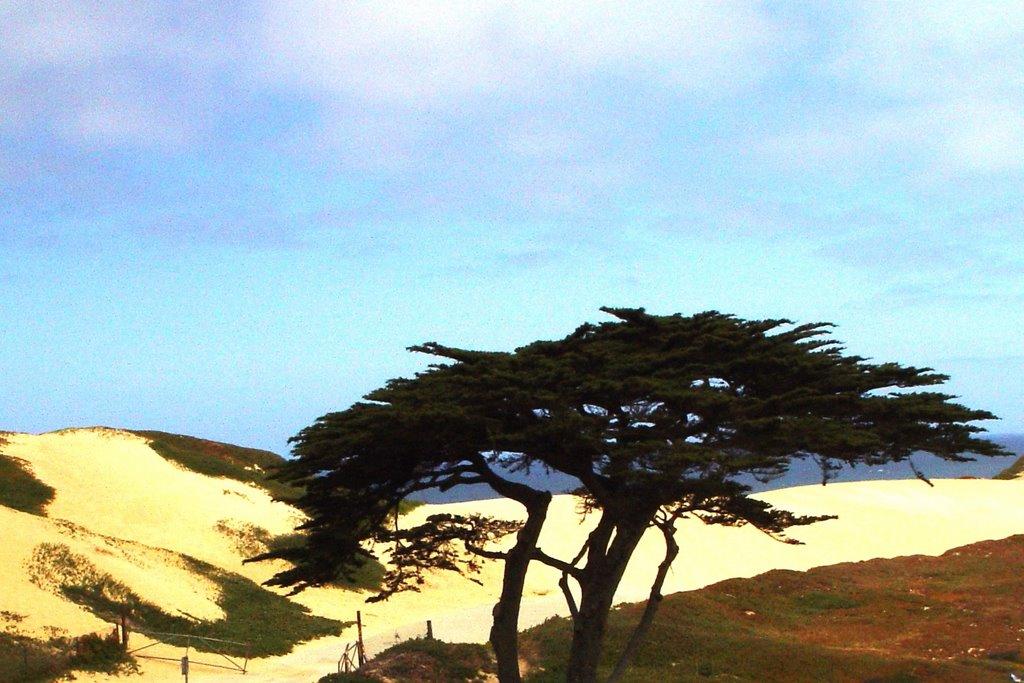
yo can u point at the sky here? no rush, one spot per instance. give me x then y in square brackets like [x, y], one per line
[227, 219]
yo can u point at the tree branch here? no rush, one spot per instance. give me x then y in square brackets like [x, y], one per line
[510, 489]
[563, 583]
[489, 554]
[918, 473]
[561, 565]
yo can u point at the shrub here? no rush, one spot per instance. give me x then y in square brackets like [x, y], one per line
[95, 652]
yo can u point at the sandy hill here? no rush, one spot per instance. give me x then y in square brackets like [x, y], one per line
[97, 518]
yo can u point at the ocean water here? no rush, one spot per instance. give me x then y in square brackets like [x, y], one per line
[801, 472]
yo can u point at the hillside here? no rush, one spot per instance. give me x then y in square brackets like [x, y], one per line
[953, 618]
[1014, 443]
[216, 459]
[110, 521]
[98, 524]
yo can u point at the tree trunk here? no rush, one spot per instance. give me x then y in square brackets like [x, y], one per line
[505, 629]
[599, 580]
[651, 608]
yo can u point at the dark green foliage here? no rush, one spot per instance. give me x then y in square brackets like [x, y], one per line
[19, 488]
[217, 459]
[368, 576]
[657, 416]
[270, 623]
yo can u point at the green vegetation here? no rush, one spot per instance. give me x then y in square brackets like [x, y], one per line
[906, 619]
[818, 601]
[19, 488]
[351, 677]
[248, 539]
[423, 659]
[270, 623]
[215, 459]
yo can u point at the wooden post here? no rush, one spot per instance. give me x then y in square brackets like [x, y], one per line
[360, 653]
[430, 630]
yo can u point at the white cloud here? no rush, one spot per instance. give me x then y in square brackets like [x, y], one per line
[432, 53]
[938, 88]
[112, 73]
[985, 137]
[109, 122]
[929, 142]
[938, 49]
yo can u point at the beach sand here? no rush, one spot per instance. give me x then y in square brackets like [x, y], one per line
[116, 489]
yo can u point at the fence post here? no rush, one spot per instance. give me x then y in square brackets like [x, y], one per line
[361, 652]
[430, 630]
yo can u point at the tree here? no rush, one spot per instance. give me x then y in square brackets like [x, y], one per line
[658, 417]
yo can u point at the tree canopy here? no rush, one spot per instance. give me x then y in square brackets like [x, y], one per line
[658, 417]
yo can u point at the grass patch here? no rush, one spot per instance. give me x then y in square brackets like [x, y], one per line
[948, 618]
[424, 659]
[248, 539]
[19, 488]
[820, 601]
[270, 623]
[351, 677]
[215, 459]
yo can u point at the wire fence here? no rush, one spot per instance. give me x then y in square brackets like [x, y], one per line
[382, 641]
[179, 647]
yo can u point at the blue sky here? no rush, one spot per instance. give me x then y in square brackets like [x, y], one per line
[227, 219]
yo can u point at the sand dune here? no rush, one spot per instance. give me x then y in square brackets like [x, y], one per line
[113, 483]
[122, 503]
